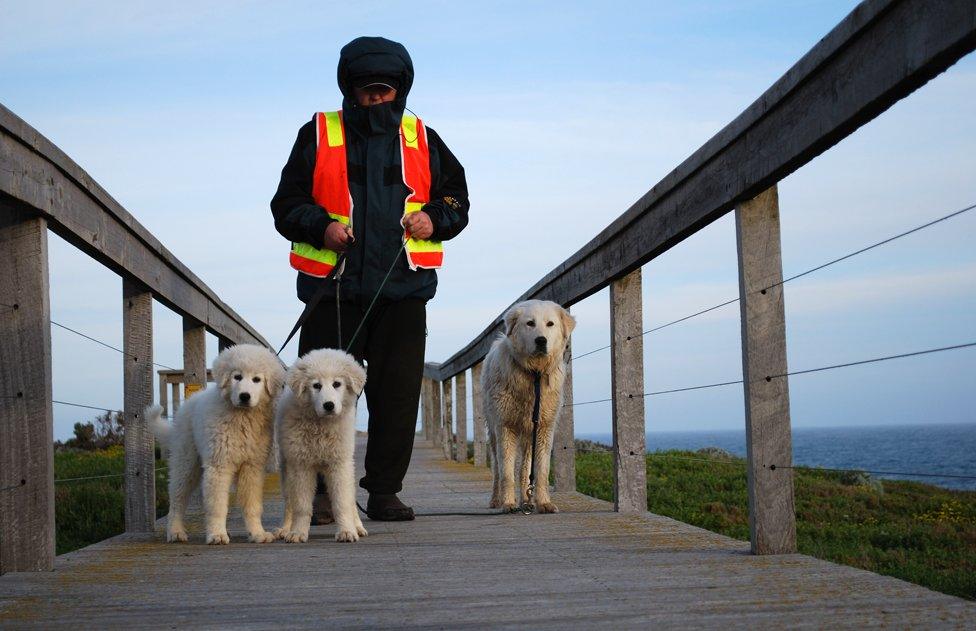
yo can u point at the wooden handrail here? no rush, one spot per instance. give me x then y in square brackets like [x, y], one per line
[43, 189]
[44, 180]
[881, 52]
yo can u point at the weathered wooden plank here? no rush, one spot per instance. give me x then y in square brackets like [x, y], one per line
[194, 356]
[627, 385]
[223, 343]
[877, 55]
[772, 517]
[163, 395]
[564, 440]
[175, 391]
[437, 413]
[431, 423]
[478, 416]
[449, 418]
[595, 569]
[461, 418]
[38, 174]
[26, 417]
[424, 408]
[137, 377]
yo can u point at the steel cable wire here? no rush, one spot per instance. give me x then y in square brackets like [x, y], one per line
[795, 276]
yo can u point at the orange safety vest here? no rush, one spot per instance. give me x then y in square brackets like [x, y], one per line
[330, 190]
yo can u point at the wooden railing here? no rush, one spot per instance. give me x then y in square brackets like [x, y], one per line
[40, 189]
[877, 55]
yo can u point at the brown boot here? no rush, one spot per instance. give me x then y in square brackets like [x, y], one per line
[322, 509]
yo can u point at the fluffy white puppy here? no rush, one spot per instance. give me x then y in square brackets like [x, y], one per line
[219, 433]
[316, 423]
[534, 340]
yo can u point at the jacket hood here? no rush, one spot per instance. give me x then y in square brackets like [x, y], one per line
[374, 56]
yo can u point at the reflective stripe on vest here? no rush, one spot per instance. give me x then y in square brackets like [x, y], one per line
[330, 190]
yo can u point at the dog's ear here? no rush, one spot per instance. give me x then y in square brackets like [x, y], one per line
[355, 377]
[296, 378]
[222, 370]
[511, 320]
[568, 322]
[275, 381]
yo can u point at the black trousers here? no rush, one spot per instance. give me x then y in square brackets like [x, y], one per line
[391, 342]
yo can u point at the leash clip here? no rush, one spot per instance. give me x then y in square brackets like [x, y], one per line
[528, 506]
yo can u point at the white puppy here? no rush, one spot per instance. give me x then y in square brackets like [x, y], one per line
[316, 423]
[218, 433]
[535, 337]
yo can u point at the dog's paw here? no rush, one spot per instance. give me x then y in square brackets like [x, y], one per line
[218, 538]
[509, 507]
[547, 507]
[296, 537]
[347, 536]
[261, 537]
[495, 503]
[361, 530]
[280, 533]
[177, 536]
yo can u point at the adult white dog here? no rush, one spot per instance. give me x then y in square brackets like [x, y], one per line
[534, 340]
[316, 423]
[223, 431]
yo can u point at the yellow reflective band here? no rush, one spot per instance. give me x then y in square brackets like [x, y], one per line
[309, 251]
[333, 129]
[420, 245]
[413, 207]
[340, 218]
[409, 130]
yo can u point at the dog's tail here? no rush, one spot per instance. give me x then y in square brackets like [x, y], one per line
[160, 428]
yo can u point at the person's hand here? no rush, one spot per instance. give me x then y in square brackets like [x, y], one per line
[419, 225]
[338, 237]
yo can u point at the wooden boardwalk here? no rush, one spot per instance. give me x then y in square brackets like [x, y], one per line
[583, 568]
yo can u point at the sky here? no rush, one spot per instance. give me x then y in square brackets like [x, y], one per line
[563, 114]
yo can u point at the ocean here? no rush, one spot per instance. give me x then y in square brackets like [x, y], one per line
[899, 449]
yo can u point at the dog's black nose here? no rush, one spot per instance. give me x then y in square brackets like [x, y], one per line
[244, 397]
[540, 341]
[329, 406]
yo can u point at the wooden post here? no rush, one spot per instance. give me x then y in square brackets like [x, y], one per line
[424, 412]
[175, 391]
[564, 441]
[163, 395]
[478, 416]
[772, 517]
[448, 418]
[26, 417]
[223, 343]
[436, 413]
[194, 356]
[627, 383]
[461, 420]
[140, 474]
[430, 428]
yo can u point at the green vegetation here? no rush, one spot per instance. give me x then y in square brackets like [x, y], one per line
[916, 532]
[87, 511]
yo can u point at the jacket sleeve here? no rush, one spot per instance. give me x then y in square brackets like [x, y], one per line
[448, 205]
[296, 215]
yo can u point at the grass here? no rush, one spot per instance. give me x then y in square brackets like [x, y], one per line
[87, 511]
[917, 532]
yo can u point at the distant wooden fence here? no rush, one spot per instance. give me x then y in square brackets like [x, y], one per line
[41, 188]
[877, 55]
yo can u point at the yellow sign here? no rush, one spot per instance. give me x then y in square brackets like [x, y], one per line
[190, 388]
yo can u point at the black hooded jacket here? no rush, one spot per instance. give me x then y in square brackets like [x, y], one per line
[375, 182]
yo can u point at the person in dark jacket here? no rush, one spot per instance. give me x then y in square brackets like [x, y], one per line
[375, 76]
